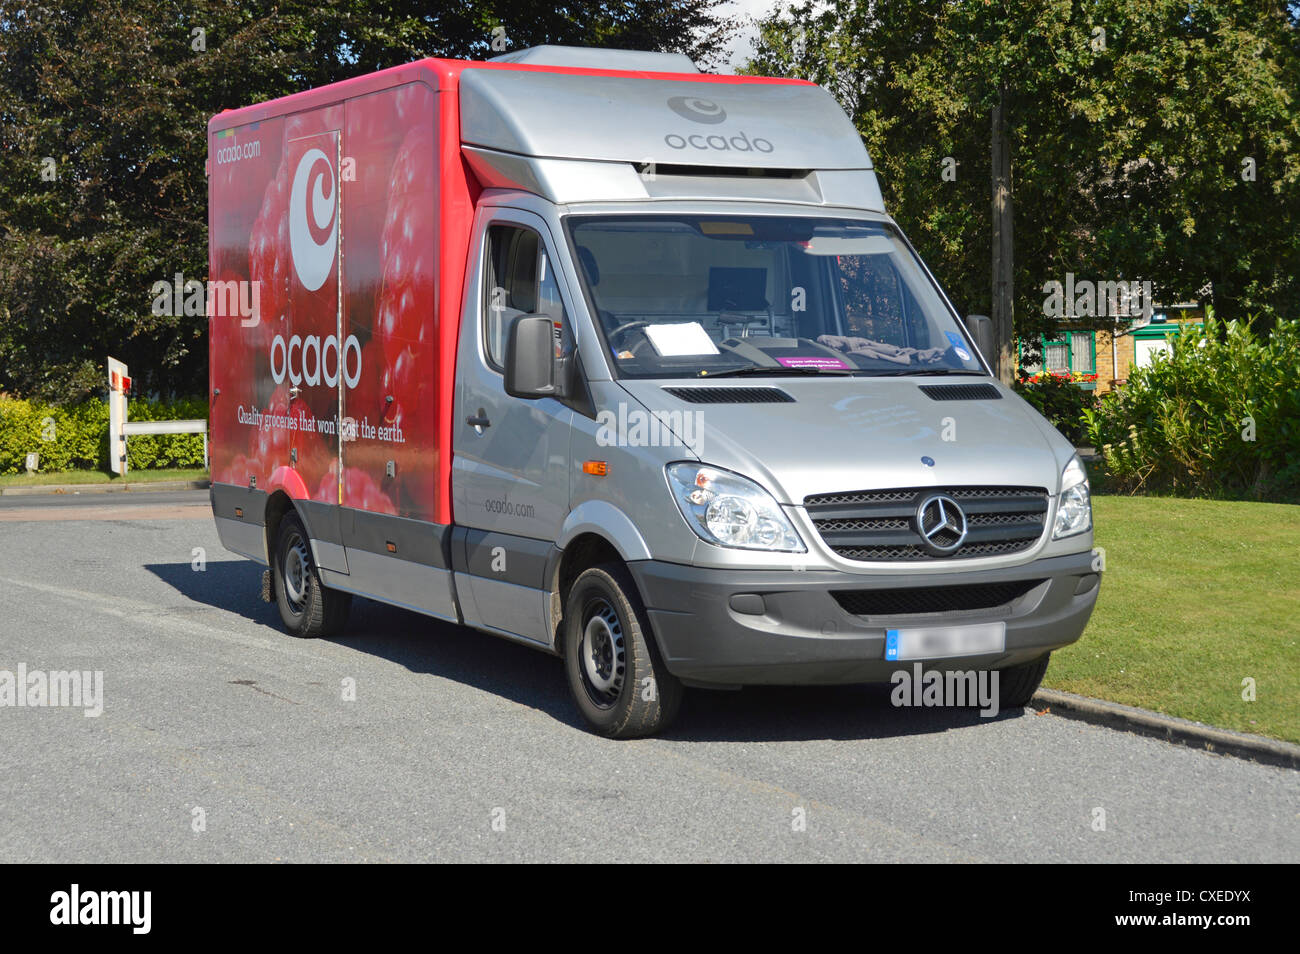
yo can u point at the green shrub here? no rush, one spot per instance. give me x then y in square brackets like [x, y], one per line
[75, 437]
[20, 433]
[155, 452]
[1059, 398]
[1218, 416]
[88, 435]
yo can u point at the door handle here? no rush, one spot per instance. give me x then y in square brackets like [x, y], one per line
[478, 420]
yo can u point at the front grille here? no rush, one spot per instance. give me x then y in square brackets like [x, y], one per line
[932, 599]
[880, 525]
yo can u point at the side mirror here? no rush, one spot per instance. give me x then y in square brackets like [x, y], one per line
[981, 329]
[530, 358]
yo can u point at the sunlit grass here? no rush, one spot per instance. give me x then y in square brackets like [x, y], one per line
[100, 477]
[1197, 596]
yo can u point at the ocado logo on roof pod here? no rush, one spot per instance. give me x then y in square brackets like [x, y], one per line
[697, 110]
[737, 143]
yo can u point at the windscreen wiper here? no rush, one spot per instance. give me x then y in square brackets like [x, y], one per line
[764, 370]
[901, 372]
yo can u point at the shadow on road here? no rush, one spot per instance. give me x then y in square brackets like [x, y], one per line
[231, 585]
[530, 678]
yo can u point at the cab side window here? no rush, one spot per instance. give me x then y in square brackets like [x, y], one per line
[519, 279]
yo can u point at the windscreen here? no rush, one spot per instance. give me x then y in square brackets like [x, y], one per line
[692, 296]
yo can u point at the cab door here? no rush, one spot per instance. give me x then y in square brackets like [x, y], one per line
[510, 470]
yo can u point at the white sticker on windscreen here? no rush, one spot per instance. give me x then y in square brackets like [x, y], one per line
[680, 338]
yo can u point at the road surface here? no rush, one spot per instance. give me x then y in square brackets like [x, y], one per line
[223, 739]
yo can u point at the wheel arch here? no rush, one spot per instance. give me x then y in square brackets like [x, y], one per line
[581, 553]
[603, 519]
[278, 504]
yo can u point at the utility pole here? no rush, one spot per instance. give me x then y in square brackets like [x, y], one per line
[1003, 255]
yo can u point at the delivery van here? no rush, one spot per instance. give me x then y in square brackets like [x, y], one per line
[627, 363]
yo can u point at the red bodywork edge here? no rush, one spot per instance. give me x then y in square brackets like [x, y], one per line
[290, 481]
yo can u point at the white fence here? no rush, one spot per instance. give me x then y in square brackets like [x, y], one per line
[164, 427]
[119, 428]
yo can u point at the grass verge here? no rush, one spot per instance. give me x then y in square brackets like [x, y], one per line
[1198, 595]
[99, 477]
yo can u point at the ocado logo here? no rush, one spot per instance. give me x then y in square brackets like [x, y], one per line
[737, 143]
[307, 360]
[313, 238]
[697, 110]
[710, 114]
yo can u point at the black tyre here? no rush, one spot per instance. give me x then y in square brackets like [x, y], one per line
[307, 608]
[615, 672]
[1017, 685]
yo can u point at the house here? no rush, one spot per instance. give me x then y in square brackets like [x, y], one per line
[1109, 355]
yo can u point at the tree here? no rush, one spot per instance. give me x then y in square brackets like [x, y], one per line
[1128, 130]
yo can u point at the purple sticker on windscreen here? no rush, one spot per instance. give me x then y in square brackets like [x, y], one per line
[811, 362]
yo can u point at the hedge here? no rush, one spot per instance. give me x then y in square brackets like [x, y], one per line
[75, 437]
[1058, 397]
[1219, 416]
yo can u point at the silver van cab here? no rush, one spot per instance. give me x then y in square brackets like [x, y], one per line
[716, 423]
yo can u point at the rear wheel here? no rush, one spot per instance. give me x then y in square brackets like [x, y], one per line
[617, 678]
[307, 607]
[1017, 685]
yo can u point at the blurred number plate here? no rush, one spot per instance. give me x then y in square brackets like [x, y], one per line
[935, 641]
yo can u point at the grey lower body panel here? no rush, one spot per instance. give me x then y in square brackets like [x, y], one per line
[797, 632]
[501, 582]
[498, 583]
[243, 538]
[240, 515]
[392, 559]
[506, 608]
[412, 586]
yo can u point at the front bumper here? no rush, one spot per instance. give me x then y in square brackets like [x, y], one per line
[711, 630]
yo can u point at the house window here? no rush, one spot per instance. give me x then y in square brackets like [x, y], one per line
[1155, 339]
[1061, 352]
[1056, 354]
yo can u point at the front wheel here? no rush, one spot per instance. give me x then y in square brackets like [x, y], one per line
[307, 608]
[615, 672]
[1017, 685]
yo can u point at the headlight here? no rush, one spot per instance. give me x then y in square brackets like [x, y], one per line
[730, 510]
[1074, 508]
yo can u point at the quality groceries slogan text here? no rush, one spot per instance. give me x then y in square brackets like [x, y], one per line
[303, 421]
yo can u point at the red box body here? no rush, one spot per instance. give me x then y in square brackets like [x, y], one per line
[347, 364]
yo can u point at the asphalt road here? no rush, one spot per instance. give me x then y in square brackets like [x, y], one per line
[461, 746]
